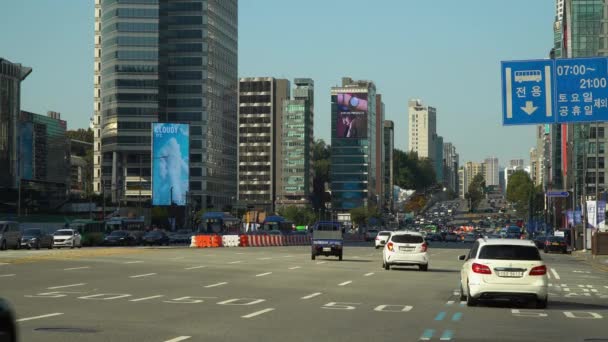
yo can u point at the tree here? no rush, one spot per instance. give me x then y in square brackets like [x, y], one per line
[322, 166]
[358, 215]
[81, 134]
[298, 215]
[475, 192]
[520, 192]
[412, 172]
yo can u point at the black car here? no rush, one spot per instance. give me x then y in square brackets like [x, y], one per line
[36, 238]
[8, 325]
[181, 236]
[539, 241]
[119, 238]
[556, 244]
[156, 237]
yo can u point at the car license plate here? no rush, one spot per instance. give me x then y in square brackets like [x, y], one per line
[555, 243]
[326, 249]
[406, 249]
[506, 274]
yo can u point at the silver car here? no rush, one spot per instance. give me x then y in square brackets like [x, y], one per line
[10, 235]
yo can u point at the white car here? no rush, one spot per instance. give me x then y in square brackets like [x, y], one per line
[67, 238]
[503, 269]
[405, 248]
[381, 238]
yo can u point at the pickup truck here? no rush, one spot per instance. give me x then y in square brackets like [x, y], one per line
[327, 240]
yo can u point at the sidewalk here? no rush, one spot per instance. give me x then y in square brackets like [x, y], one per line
[597, 261]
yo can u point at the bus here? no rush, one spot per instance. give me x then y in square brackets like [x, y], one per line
[125, 223]
[277, 223]
[91, 231]
[215, 222]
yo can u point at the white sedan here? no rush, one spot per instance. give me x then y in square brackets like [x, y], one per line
[405, 248]
[67, 238]
[382, 238]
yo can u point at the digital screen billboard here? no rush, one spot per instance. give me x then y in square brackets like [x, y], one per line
[170, 163]
[352, 115]
[26, 149]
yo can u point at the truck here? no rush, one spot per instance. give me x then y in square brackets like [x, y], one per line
[327, 239]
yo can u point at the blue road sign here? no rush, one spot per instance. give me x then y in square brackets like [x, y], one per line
[557, 193]
[581, 89]
[527, 92]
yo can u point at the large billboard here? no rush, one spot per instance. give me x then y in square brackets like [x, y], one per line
[26, 149]
[352, 115]
[170, 163]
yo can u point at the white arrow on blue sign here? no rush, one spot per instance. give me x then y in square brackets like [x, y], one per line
[527, 90]
[557, 194]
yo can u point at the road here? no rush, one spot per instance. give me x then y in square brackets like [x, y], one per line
[279, 294]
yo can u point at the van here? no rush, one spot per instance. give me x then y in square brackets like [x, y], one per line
[10, 235]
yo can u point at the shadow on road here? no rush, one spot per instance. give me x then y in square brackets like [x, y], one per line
[415, 268]
[553, 305]
[346, 260]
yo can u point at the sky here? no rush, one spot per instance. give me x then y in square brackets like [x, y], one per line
[445, 52]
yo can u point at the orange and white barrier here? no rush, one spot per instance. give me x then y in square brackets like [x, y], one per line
[213, 241]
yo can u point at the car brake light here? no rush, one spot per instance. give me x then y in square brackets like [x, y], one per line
[424, 247]
[481, 269]
[539, 270]
[547, 243]
[389, 246]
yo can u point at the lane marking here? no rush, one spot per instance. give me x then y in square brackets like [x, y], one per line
[555, 274]
[549, 275]
[235, 262]
[427, 335]
[264, 258]
[179, 338]
[294, 268]
[345, 283]
[145, 298]
[194, 267]
[64, 286]
[263, 274]
[216, 284]
[457, 316]
[134, 262]
[4, 263]
[447, 335]
[356, 257]
[240, 253]
[449, 302]
[440, 316]
[463, 303]
[456, 293]
[368, 274]
[7, 275]
[321, 262]
[312, 295]
[142, 275]
[38, 317]
[257, 313]
[177, 258]
[76, 268]
[288, 256]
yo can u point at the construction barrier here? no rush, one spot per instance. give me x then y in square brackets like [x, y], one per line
[231, 240]
[193, 241]
[244, 240]
[216, 241]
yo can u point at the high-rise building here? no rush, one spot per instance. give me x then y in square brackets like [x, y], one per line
[463, 185]
[261, 140]
[516, 163]
[438, 159]
[491, 171]
[11, 75]
[298, 120]
[389, 146]
[422, 122]
[353, 145]
[380, 165]
[469, 171]
[165, 61]
[534, 165]
[450, 158]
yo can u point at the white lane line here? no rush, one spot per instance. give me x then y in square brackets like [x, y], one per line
[7, 275]
[177, 258]
[38, 317]
[179, 338]
[194, 267]
[236, 262]
[549, 275]
[368, 274]
[294, 268]
[288, 256]
[4, 263]
[145, 298]
[264, 258]
[456, 293]
[263, 274]
[449, 302]
[555, 274]
[76, 268]
[64, 286]
[240, 253]
[142, 275]
[134, 262]
[257, 313]
[216, 284]
[357, 257]
[312, 295]
[345, 283]
[321, 262]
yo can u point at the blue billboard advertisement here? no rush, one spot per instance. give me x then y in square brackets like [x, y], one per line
[26, 151]
[170, 163]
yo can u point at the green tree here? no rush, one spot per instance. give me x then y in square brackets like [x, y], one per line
[475, 192]
[359, 215]
[298, 215]
[81, 134]
[322, 166]
[412, 172]
[520, 192]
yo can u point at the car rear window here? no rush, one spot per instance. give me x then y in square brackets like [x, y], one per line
[509, 252]
[406, 238]
[555, 238]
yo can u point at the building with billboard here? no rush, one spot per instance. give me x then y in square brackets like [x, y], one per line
[380, 165]
[11, 76]
[296, 184]
[389, 179]
[173, 62]
[353, 145]
[170, 164]
[260, 138]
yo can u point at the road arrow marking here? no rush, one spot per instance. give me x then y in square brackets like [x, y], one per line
[529, 108]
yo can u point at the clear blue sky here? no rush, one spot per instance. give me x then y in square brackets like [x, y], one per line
[445, 52]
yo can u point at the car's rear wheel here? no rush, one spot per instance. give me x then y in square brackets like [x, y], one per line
[50, 245]
[462, 295]
[541, 303]
[387, 266]
[313, 257]
[470, 300]
[73, 244]
[340, 257]
[423, 267]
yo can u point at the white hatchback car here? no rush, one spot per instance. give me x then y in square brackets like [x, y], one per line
[405, 248]
[67, 238]
[503, 269]
[382, 238]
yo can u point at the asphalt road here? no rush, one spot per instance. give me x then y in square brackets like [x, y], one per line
[279, 294]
